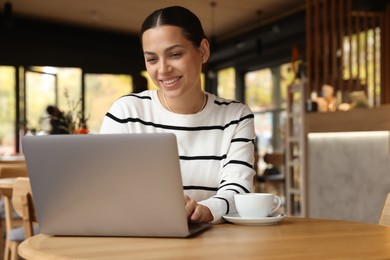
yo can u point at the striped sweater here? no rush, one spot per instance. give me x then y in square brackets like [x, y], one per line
[216, 145]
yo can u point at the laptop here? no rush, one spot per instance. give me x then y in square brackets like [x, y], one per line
[108, 185]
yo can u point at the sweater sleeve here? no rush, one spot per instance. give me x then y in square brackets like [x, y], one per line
[237, 170]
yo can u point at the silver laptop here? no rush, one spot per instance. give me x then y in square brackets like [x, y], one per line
[107, 185]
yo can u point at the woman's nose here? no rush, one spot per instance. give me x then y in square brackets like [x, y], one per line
[165, 66]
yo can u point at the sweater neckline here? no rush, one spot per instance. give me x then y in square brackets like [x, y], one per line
[161, 107]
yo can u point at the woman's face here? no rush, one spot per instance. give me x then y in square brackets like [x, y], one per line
[172, 61]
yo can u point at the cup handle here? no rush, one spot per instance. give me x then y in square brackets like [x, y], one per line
[278, 202]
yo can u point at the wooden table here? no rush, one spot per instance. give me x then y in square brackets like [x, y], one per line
[293, 238]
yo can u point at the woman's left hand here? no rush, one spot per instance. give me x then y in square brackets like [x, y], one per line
[197, 213]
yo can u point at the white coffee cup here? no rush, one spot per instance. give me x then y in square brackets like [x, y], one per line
[256, 205]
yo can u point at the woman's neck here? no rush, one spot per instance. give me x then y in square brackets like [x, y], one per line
[182, 105]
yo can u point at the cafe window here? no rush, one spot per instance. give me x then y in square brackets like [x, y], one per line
[266, 95]
[40, 93]
[258, 90]
[41, 86]
[54, 86]
[101, 90]
[226, 83]
[7, 110]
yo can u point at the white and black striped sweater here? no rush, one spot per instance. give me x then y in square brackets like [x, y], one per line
[216, 145]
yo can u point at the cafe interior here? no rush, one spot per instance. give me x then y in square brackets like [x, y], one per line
[315, 73]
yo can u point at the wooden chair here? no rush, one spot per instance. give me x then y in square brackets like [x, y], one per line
[273, 179]
[22, 201]
[13, 171]
[23, 204]
[385, 216]
[10, 219]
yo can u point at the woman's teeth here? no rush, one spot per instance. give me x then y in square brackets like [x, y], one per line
[170, 81]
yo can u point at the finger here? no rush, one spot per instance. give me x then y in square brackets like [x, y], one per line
[186, 198]
[196, 215]
[190, 207]
[201, 214]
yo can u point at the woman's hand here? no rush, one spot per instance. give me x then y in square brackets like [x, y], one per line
[196, 212]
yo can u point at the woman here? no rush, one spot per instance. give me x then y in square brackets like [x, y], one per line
[215, 136]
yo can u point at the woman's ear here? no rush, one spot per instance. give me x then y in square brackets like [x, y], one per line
[204, 50]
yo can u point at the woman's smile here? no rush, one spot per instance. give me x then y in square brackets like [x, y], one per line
[171, 82]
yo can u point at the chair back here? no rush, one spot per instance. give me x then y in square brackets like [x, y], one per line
[274, 159]
[13, 171]
[385, 216]
[22, 201]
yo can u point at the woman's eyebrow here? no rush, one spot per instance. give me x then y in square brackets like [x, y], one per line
[173, 47]
[170, 48]
[148, 53]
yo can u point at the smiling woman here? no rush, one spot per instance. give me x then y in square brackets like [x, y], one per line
[176, 41]
[174, 65]
[215, 136]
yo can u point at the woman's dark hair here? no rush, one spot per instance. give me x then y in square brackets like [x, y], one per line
[180, 17]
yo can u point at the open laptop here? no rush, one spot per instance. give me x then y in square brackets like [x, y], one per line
[107, 185]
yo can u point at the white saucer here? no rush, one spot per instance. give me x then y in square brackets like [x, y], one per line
[237, 219]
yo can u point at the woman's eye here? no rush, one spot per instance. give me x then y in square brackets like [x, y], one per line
[176, 54]
[151, 60]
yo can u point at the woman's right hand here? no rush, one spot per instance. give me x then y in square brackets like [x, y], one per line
[196, 212]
